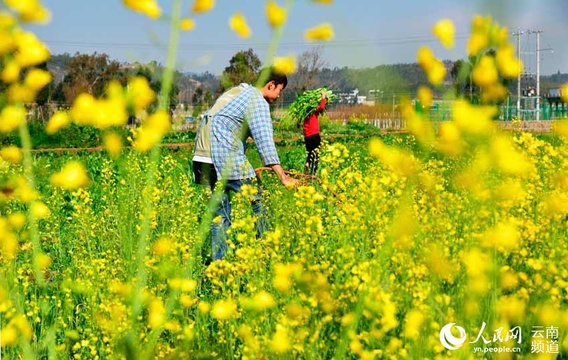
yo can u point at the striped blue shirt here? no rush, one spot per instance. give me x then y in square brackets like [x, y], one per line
[246, 115]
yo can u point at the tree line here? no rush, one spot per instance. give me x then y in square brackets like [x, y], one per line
[74, 74]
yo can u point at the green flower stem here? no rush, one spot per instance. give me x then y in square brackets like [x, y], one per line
[154, 158]
[27, 162]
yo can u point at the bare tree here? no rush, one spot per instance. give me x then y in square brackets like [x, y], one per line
[309, 65]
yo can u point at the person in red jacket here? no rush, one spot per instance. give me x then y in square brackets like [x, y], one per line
[312, 137]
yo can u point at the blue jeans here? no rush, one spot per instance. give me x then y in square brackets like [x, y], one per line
[219, 229]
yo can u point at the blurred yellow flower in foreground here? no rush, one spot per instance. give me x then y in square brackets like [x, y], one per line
[485, 72]
[509, 65]
[30, 10]
[187, 24]
[224, 309]
[152, 131]
[275, 14]
[200, 6]
[445, 30]
[148, 7]
[12, 154]
[433, 67]
[59, 120]
[139, 94]
[113, 144]
[31, 51]
[564, 92]
[11, 72]
[285, 64]
[40, 210]
[72, 176]
[323, 32]
[11, 118]
[36, 79]
[239, 25]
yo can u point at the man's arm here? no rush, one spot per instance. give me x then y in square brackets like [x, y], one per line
[285, 179]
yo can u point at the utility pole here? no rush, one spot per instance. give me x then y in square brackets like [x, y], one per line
[518, 35]
[538, 74]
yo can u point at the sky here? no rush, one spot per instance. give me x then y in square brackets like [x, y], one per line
[368, 33]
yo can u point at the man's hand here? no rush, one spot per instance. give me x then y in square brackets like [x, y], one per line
[290, 183]
[286, 180]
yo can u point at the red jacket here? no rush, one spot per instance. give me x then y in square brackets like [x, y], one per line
[311, 123]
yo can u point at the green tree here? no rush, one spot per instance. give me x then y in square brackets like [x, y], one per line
[91, 74]
[243, 68]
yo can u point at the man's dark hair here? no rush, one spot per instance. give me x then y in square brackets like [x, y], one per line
[268, 74]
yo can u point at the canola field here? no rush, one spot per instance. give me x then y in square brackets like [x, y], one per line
[445, 242]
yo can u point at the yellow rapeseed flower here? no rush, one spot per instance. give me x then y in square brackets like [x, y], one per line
[139, 94]
[187, 24]
[37, 79]
[477, 42]
[224, 309]
[285, 64]
[280, 342]
[29, 10]
[275, 14]
[12, 154]
[11, 71]
[509, 66]
[72, 176]
[445, 30]
[200, 6]
[17, 220]
[239, 25]
[412, 323]
[7, 20]
[31, 51]
[323, 32]
[434, 68]
[43, 261]
[564, 92]
[9, 335]
[150, 8]
[40, 210]
[156, 313]
[83, 108]
[11, 118]
[323, 1]
[503, 237]
[425, 96]
[485, 72]
[113, 144]
[59, 120]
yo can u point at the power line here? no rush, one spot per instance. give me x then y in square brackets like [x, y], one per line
[223, 46]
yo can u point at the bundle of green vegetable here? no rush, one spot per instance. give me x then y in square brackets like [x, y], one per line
[305, 104]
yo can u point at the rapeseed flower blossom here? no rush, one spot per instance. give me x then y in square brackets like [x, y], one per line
[200, 6]
[57, 121]
[72, 176]
[187, 24]
[11, 117]
[30, 10]
[238, 24]
[150, 8]
[322, 32]
[224, 309]
[275, 14]
[31, 51]
[36, 79]
[445, 31]
[11, 72]
[12, 154]
[285, 64]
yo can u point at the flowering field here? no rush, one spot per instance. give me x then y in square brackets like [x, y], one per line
[446, 242]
